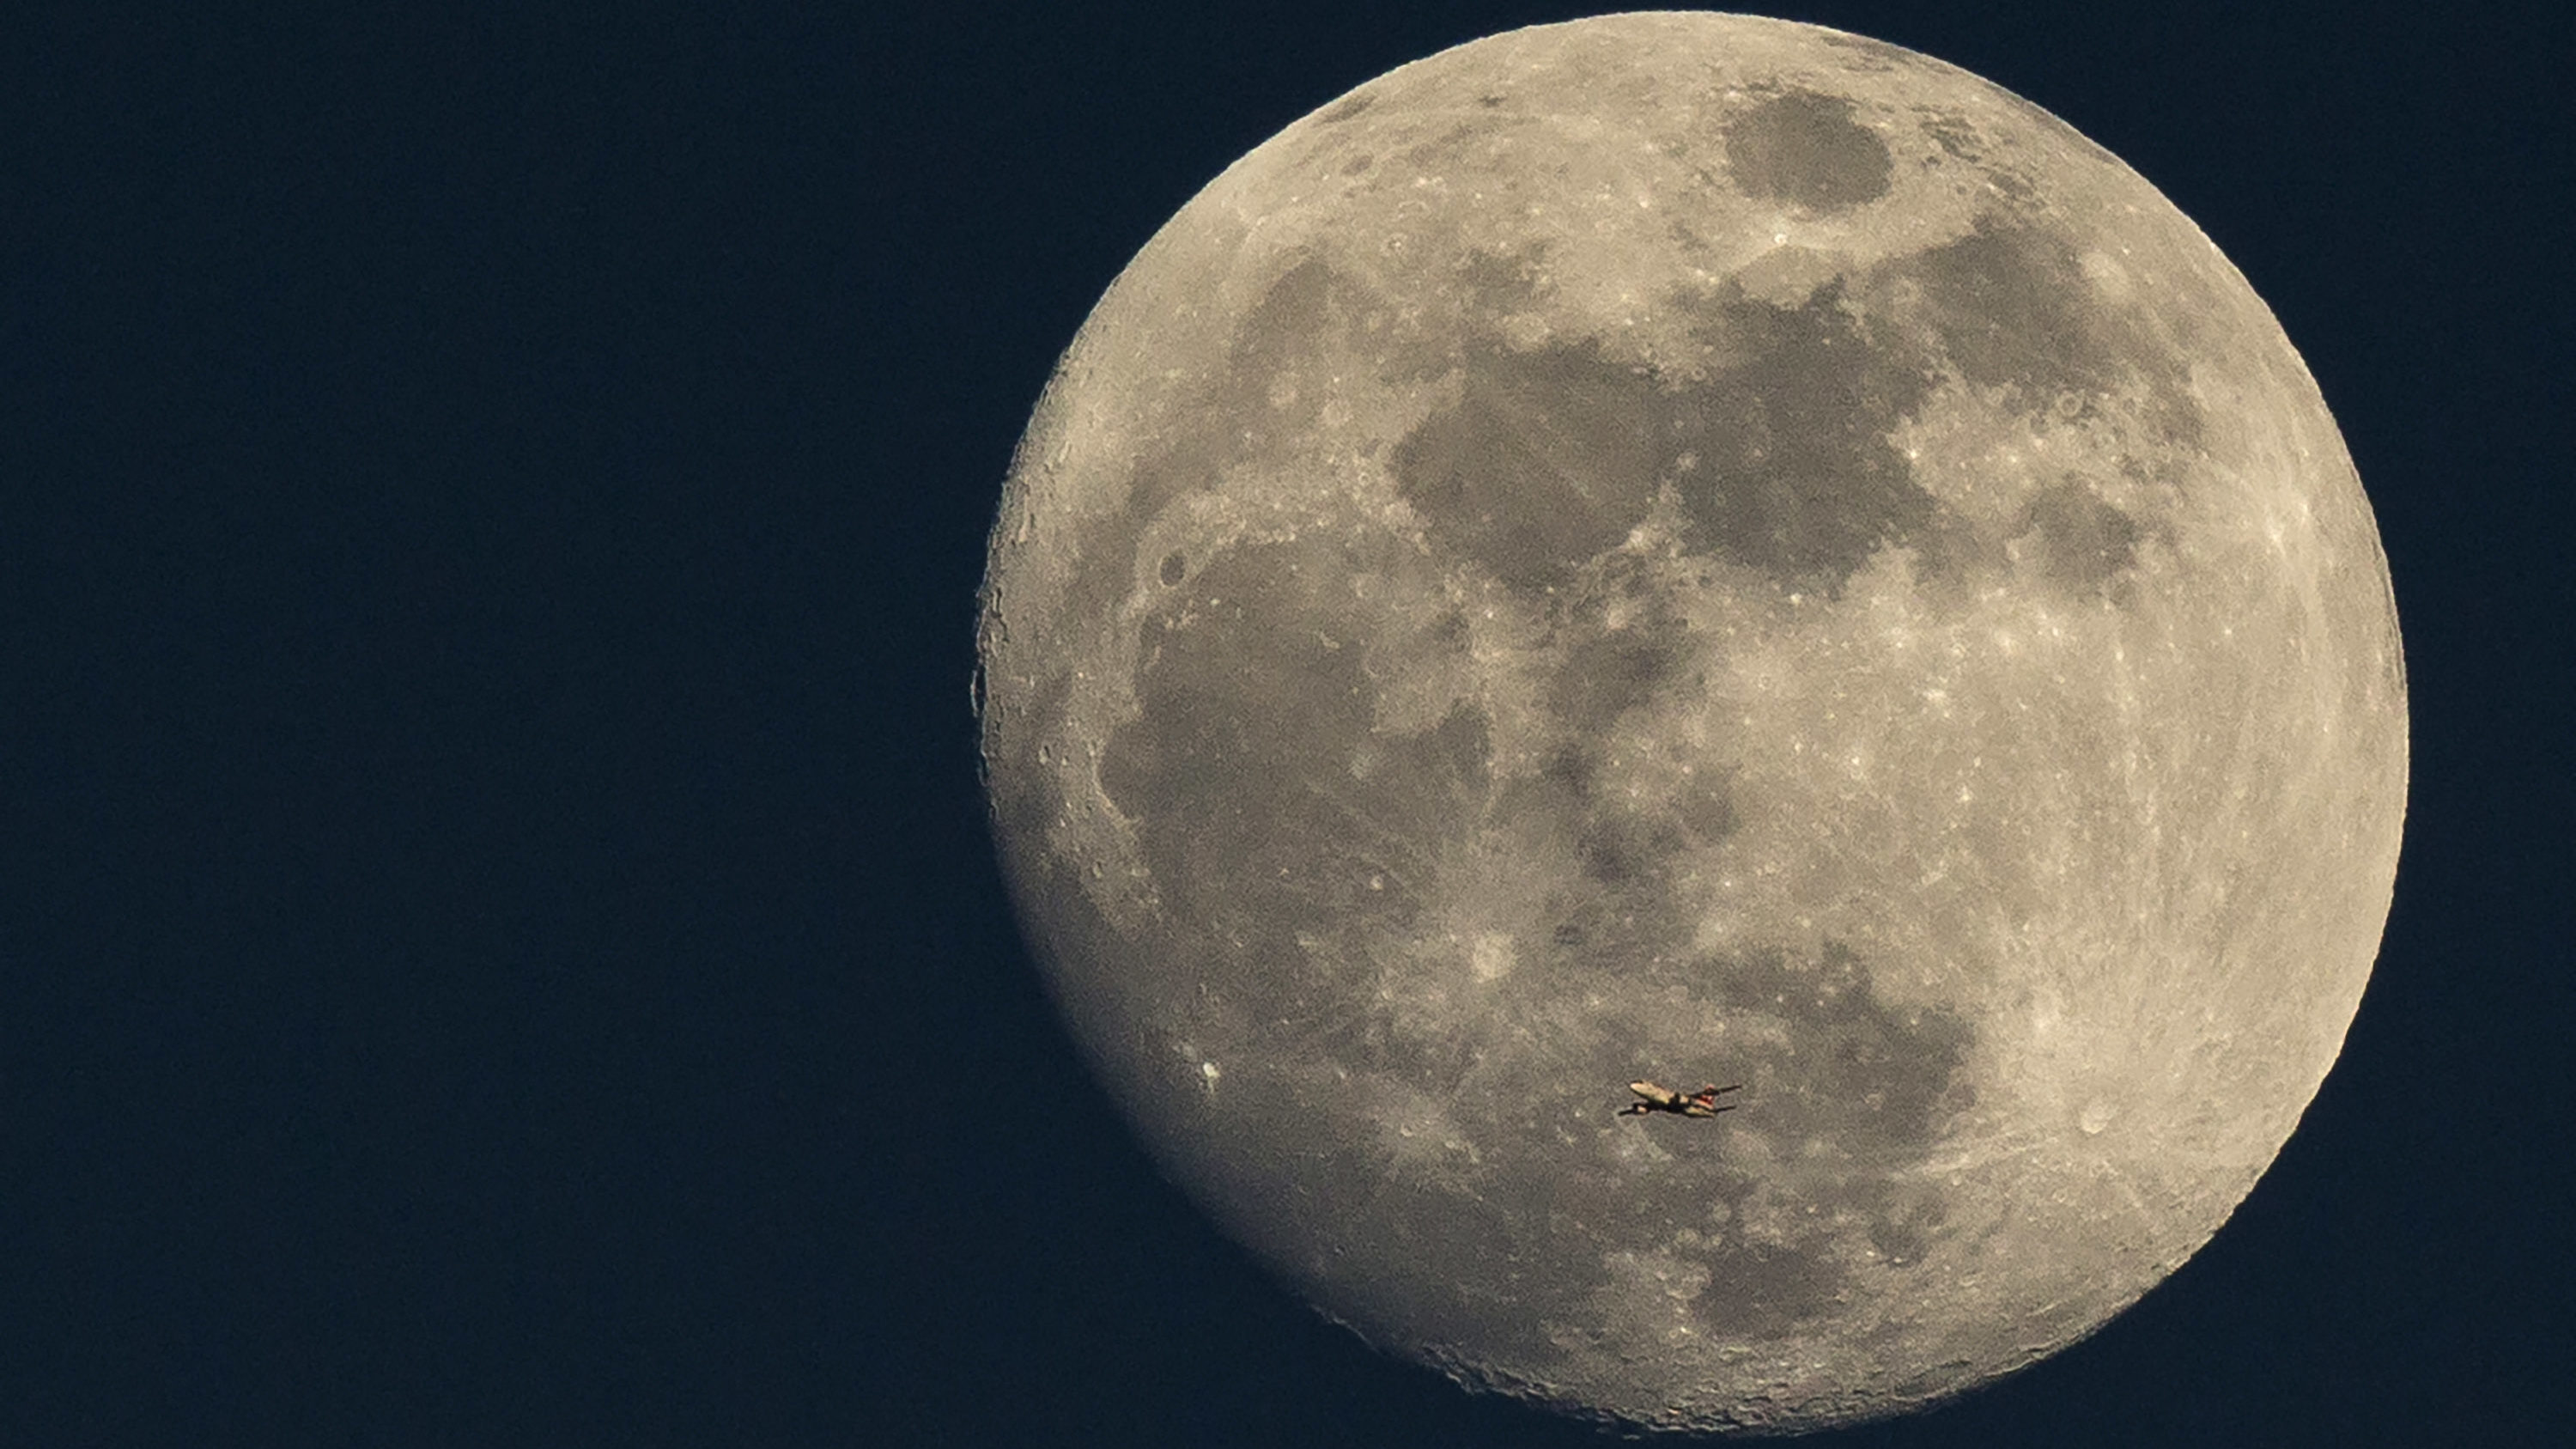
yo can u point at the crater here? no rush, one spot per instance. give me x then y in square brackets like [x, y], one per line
[1806, 150]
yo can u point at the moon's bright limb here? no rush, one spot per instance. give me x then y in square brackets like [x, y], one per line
[1711, 549]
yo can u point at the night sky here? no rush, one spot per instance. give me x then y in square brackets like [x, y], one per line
[498, 940]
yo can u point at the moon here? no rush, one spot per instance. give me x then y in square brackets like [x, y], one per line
[1710, 549]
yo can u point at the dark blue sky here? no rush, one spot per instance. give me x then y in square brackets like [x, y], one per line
[497, 940]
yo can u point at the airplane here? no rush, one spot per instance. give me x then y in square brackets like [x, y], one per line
[1702, 1103]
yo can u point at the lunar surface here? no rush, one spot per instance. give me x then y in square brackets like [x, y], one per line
[1714, 550]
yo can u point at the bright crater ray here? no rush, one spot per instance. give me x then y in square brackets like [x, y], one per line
[1705, 548]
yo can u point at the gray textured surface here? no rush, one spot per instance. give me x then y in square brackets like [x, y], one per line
[1708, 548]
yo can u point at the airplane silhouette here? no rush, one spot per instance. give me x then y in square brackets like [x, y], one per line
[1702, 1103]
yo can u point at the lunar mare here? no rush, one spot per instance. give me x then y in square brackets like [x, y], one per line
[1705, 548]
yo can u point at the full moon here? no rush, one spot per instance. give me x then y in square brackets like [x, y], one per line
[1711, 550]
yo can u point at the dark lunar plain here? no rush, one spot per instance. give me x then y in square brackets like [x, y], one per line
[500, 942]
